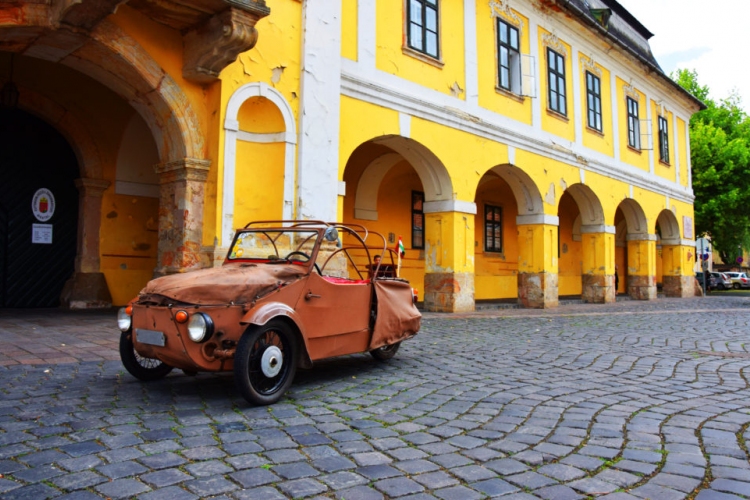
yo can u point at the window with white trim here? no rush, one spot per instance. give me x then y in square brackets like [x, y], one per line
[594, 101]
[422, 26]
[634, 124]
[663, 140]
[508, 57]
[556, 82]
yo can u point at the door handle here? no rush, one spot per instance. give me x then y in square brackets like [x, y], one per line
[311, 295]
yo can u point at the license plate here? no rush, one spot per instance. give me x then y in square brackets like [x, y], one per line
[150, 337]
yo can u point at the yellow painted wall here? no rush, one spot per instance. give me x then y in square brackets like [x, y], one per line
[570, 251]
[553, 122]
[603, 141]
[259, 182]
[128, 243]
[496, 273]
[682, 152]
[276, 61]
[637, 158]
[664, 170]
[394, 214]
[491, 96]
[395, 58]
[349, 19]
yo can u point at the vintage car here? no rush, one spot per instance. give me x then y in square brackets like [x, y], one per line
[288, 294]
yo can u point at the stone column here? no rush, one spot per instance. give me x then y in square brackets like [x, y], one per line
[537, 261]
[181, 202]
[449, 261]
[87, 288]
[678, 259]
[598, 273]
[642, 266]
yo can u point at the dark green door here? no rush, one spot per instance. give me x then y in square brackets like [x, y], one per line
[36, 256]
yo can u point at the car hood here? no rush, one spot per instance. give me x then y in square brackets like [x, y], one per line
[238, 283]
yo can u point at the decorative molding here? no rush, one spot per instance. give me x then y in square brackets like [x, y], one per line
[501, 8]
[212, 46]
[588, 64]
[630, 91]
[188, 169]
[550, 40]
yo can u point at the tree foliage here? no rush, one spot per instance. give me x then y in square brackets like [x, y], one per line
[720, 157]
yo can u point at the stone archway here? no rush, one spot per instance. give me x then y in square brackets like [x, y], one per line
[678, 257]
[536, 277]
[597, 246]
[639, 271]
[447, 262]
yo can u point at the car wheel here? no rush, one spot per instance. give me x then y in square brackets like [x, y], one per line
[386, 352]
[720, 286]
[265, 362]
[736, 286]
[146, 369]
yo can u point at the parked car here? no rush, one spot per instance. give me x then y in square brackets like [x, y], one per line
[288, 294]
[723, 282]
[711, 285]
[739, 280]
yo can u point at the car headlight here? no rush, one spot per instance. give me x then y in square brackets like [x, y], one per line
[124, 318]
[200, 327]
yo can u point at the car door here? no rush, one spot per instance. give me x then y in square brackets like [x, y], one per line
[336, 315]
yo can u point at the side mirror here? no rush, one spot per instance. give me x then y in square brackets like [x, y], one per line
[331, 234]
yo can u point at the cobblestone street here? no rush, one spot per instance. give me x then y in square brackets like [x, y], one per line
[622, 401]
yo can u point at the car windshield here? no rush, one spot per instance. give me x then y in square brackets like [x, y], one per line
[273, 244]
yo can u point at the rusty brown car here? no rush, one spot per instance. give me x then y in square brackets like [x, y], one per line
[288, 294]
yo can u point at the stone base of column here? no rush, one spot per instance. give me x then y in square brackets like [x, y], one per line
[538, 290]
[642, 287]
[86, 291]
[449, 292]
[598, 288]
[679, 286]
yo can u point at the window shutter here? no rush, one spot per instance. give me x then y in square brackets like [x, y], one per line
[528, 76]
[647, 137]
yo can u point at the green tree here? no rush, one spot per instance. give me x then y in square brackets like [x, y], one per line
[720, 157]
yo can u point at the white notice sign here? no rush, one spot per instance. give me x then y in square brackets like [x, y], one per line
[41, 233]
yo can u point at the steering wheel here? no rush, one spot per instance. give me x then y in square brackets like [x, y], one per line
[307, 259]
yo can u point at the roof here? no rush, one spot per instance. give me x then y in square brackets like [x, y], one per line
[614, 22]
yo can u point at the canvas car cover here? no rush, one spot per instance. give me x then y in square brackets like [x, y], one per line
[238, 283]
[397, 316]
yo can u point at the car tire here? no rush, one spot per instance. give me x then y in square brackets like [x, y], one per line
[720, 286]
[145, 369]
[386, 352]
[736, 286]
[265, 362]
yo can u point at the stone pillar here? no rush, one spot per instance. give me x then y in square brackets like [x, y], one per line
[87, 288]
[537, 261]
[598, 273]
[182, 195]
[449, 261]
[678, 259]
[642, 266]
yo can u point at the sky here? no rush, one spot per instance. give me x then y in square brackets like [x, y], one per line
[703, 36]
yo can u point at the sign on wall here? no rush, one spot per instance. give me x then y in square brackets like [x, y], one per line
[43, 204]
[687, 225]
[41, 233]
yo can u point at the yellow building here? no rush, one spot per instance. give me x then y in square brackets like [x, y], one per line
[523, 149]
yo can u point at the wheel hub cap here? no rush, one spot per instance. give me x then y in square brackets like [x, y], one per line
[272, 361]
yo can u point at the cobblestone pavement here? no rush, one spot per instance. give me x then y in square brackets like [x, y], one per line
[623, 401]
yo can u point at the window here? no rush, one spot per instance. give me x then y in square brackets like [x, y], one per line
[417, 219]
[594, 101]
[508, 57]
[422, 21]
[634, 125]
[493, 229]
[663, 140]
[556, 82]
